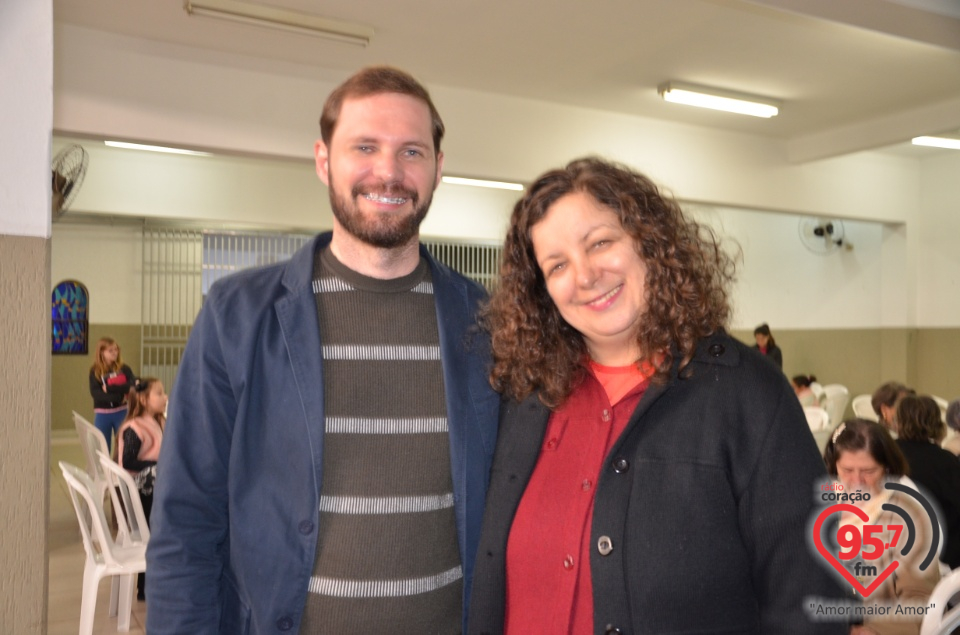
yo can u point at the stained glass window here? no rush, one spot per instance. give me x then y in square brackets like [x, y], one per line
[70, 304]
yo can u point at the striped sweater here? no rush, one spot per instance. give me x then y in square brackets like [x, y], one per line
[387, 554]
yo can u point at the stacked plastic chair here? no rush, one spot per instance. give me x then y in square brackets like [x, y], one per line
[834, 401]
[817, 418]
[863, 409]
[939, 619]
[121, 557]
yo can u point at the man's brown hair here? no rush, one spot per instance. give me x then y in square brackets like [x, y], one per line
[376, 80]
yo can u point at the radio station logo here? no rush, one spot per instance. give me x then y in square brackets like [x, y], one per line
[857, 549]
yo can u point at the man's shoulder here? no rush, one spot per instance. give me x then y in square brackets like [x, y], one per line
[258, 284]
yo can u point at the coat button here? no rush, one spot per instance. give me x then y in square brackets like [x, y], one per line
[716, 350]
[613, 630]
[620, 465]
[604, 545]
[284, 623]
[306, 527]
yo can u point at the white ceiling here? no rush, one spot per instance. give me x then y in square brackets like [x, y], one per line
[853, 74]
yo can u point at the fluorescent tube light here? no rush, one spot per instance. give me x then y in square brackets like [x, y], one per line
[719, 99]
[282, 19]
[937, 142]
[140, 146]
[499, 185]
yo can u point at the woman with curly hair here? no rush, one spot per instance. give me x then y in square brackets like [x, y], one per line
[652, 473]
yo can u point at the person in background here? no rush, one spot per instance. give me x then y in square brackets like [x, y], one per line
[952, 443]
[652, 473]
[863, 456]
[767, 346]
[138, 444]
[884, 401]
[110, 381]
[933, 468]
[801, 386]
[326, 460]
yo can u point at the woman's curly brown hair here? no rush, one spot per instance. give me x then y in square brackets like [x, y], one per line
[688, 273]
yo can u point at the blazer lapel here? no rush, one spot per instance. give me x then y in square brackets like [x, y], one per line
[297, 315]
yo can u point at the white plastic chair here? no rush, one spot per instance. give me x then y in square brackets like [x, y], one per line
[132, 526]
[817, 389]
[943, 404]
[835, 399]
[863, 409]
[938, 620]
[105, 555]
[91, 442]
[817, 418]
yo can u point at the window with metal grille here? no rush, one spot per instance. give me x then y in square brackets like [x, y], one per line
[479, 262]
[180, 265]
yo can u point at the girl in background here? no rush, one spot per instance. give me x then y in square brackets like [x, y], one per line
[110, 381]
[138, 444]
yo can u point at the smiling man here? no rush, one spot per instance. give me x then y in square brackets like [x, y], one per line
[331, 431]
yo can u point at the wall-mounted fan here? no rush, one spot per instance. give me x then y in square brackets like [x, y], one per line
[68, 169]
[823, 236]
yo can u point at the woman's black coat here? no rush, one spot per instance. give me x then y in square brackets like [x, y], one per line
[706, 498]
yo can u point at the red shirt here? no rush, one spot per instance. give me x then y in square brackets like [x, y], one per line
[549, 589]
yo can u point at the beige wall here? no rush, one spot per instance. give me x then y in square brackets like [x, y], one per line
[24, 416]
[939, 350]
[862, 359]
[69, 380]
[26, 112]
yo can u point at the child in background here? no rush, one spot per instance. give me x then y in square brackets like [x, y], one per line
[110, 381]
[138, 444]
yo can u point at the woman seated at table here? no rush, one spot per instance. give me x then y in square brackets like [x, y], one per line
[652, 473]
[863, 456]
[952, 442]
[801, 386]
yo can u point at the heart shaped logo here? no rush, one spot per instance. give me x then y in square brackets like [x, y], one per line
[829, 557]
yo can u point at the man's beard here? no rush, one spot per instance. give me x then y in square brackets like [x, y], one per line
[386, 231]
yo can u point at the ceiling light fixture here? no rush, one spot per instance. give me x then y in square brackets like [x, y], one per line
[937, 142]
[140, 146]
[719, 99]
[282, 19]
[499, 185]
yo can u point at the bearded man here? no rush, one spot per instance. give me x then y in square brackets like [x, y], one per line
[331, 431]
